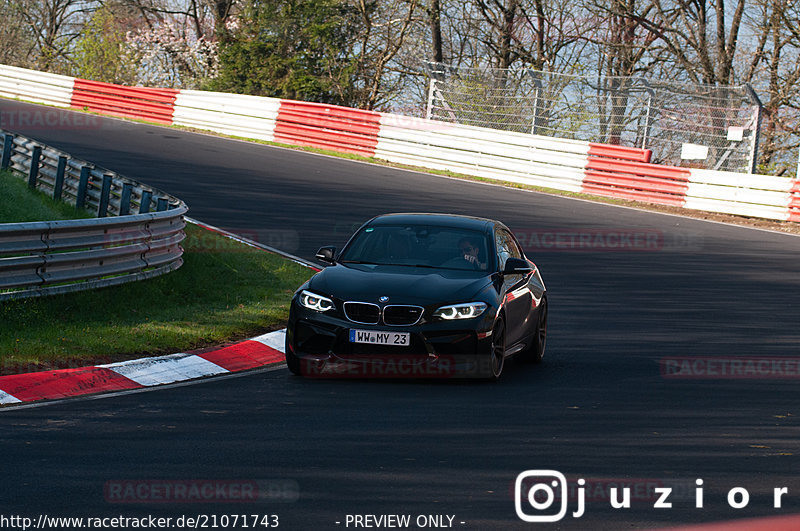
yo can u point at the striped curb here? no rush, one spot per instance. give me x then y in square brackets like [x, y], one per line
[253, 353]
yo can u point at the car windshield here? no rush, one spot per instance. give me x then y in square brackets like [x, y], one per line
[419, 246]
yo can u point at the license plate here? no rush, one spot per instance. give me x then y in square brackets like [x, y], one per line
[374, 337]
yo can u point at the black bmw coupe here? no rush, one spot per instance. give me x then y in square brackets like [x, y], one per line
[419, 295]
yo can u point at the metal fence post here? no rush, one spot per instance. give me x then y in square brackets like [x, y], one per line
[429, 109]
[34, 170]
[144, 206]
[537, 94]
[756, 136]
[648, 117]
[8, 150]
[125, 199]
[105, 192]
[83, 184]
[58, 186]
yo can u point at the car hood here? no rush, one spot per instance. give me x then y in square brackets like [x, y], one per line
[403, 285]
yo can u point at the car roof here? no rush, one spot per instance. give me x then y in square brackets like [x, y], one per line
[441, 220]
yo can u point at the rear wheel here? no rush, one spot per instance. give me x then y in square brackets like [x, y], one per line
[498, 349]
[535, 353]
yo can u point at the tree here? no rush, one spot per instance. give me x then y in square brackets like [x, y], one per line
[382, 33]
[773, 66]
[101, 53]
[170, 54]
[624, 49]
[202, 19]
[175, 42]
[501, 18]
[290, 49]
[223, 12]
[17, 44]
[696, 34]
[53, 25]
[434, 11]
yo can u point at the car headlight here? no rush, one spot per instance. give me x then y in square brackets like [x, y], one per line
[312, 301]
[466, 310]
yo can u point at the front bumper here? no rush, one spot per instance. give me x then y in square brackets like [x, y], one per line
[440, 349]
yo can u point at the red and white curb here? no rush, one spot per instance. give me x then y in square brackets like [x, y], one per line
[261, 351]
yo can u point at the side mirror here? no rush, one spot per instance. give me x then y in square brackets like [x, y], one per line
[326, 255]
[517, 266]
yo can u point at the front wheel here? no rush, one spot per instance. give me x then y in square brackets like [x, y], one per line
[497, 356]
[293, 362]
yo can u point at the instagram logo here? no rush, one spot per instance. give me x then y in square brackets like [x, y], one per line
[540, 489]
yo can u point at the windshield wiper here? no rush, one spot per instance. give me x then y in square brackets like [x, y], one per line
[427, 266]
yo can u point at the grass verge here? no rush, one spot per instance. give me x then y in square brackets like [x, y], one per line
[225, 291]
[19, 203]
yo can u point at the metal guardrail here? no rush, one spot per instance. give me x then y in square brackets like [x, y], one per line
[230, 114]
[153, 104]
[51, 257]
[39, 87]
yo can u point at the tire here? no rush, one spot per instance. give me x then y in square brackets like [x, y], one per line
[498, 350]
[293, 362]
[535, 353]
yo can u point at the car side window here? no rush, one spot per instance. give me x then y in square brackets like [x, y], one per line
[502, 252]
[506, 247]
[513, 246]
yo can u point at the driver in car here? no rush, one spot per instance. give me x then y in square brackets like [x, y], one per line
[469, 252]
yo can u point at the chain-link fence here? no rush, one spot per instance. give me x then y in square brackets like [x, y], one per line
[684, 125]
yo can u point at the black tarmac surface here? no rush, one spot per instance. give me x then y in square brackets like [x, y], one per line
[606, 405]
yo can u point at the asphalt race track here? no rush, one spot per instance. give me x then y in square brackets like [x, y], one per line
[603, 406]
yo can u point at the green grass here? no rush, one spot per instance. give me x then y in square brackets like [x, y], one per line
[19, 203]
[225, 291]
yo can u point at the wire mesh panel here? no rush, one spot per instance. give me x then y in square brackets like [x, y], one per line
[499, 99]
[684, 125]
